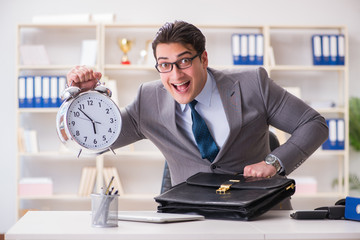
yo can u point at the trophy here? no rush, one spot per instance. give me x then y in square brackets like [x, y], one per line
[125, 46]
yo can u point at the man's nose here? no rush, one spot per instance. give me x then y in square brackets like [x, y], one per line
[176, 70]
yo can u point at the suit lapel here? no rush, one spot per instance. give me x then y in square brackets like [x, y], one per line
[167, 116]
[230, 95]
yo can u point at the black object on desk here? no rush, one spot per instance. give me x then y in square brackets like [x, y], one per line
[310, 214]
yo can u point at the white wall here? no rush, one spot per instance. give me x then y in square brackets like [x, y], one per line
[310, 12]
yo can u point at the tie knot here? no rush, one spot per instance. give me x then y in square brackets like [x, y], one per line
[193, 103]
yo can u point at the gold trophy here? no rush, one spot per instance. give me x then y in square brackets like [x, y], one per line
[125, 46]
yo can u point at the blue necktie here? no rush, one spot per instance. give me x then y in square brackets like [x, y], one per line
[204, 140]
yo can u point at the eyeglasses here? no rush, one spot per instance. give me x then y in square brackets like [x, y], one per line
[180, 64]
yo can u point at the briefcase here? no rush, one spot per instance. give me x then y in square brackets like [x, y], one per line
[225, 196]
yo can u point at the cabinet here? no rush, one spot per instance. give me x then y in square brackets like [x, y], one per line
[62, 44]
[140, 165]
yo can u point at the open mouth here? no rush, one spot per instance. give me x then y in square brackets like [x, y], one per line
[181, 87]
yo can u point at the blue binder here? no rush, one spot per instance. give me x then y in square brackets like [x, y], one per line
[325, 43]
[251, 49]
[38, 92]
[259, 49]
[235, 48]
[316, 48]
[247, 49]
[46, 92]
[341, 50]
[61, 86]
[328, 49]
[22, 91]
[54, 88]
[336, 139]
[29, 97]
[244, 49]
[333, 49]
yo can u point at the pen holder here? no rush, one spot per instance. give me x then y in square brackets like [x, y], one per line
[104, 210]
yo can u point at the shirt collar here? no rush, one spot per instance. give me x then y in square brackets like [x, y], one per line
[204, 96]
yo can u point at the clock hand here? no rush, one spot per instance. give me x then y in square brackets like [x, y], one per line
[86, 115]
[94, 127]
[92, 121]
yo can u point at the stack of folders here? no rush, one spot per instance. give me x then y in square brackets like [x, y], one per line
[247, 49]
[328, 49]
[336, 139]
[40, 91]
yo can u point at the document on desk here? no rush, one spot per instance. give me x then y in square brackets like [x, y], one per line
[155, 217]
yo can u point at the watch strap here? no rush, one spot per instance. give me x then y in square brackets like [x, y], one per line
[276, 163]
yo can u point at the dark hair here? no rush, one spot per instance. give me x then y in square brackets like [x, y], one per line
[180, 32]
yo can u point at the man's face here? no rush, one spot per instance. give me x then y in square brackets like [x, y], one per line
[183, 84]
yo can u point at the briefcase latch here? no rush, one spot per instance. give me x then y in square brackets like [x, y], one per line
[226, 186]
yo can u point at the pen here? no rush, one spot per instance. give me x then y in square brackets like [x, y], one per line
[107, 189]
[112, 189]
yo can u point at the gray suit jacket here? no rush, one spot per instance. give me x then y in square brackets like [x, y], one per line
[252, 102]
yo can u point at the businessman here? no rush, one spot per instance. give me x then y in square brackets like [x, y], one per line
[234, 109]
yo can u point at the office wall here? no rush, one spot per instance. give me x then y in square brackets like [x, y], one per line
[311, 12]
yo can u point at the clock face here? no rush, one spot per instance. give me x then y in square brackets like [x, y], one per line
[93, 120]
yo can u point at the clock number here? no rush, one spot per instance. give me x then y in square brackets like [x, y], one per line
[104, 137]
[85, 139]
[90, 102]
[77, 133]
[82, 106]
[95, 142]
[76, 114]
[111, 120]
[107, 111]
[110, 131]
[99, 104]
[73, 123]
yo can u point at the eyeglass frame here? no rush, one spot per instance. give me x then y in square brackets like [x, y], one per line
[176, 63]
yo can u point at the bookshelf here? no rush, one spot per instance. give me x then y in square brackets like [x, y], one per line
[142, 159]
[318, 83]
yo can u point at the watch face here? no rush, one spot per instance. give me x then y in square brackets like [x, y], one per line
[270, 159]
[93, 120]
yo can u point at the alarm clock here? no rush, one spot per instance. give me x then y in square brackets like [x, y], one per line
[88, 122]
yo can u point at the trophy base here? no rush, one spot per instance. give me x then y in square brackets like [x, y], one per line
[125, 62]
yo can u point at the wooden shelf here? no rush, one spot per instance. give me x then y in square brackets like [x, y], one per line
[129, 67]
[45, 67]
[60, 25]
[38, 110]
[331, 152]
[340, 110]
[305, 68]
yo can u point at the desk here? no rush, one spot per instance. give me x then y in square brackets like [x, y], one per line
[272, 225]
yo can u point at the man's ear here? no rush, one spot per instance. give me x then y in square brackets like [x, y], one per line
[204, 59]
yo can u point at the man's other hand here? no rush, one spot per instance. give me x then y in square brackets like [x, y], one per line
[260, 169]
[83, 77]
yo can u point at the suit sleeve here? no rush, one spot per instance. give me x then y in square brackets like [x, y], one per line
[290, 114]
[130, 123]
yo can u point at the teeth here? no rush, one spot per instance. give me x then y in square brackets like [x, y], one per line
[180, 84]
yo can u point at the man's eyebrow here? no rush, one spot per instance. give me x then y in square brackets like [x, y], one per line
[179, 55]
[183, 53]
